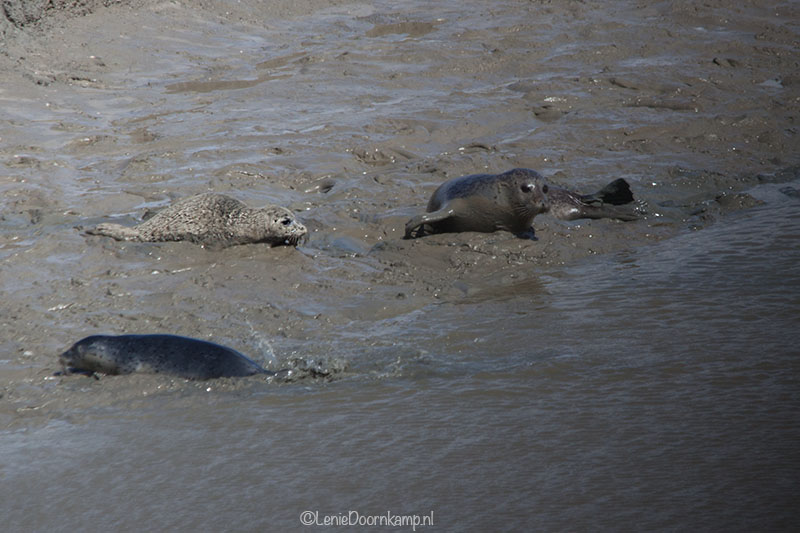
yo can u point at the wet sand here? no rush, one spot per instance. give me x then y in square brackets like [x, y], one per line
[351, 114]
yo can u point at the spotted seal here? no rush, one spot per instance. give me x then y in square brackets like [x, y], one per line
[510, 201]
[212, 219]
[157, 354]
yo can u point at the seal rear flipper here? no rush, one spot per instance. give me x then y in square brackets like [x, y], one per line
[625, 213]
[618, 192]
[416, 226]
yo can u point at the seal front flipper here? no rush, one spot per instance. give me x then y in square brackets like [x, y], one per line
[529, 234]
[69, 371]
[419, 222]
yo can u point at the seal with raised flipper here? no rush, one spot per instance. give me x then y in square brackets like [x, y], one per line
[157, 354]
[510, 201]
[212, 219]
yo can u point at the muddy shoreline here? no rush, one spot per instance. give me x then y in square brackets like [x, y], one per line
[103, 123]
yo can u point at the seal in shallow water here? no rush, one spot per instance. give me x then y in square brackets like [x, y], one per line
[510, 201]
[212, 220]
[157, 354]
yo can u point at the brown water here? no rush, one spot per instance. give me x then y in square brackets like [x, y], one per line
[657, 388]
[607, 376]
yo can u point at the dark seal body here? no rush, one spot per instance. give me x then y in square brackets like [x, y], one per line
[212, 220]
[157, 354]
[510, 201]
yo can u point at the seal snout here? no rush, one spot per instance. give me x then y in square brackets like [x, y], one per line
[538, 191]
[65, 360]
[77, 357]
[294, 232]
[533, 197]
[292, 240]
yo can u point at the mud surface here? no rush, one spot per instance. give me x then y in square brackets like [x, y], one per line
[351, 114]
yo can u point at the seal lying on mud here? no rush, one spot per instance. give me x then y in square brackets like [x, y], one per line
[157, 354]
[212, 220]
[510, 201]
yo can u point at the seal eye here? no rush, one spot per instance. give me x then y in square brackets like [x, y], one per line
[544, 189]
[526, 187]
[286, 221]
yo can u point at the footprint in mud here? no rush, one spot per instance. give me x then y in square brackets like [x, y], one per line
[410, 28]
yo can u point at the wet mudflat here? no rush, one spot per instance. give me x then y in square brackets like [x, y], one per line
[605, 374]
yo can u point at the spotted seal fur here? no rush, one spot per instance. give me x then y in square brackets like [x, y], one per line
[212, 220]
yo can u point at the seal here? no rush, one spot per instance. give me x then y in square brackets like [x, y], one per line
[510, 201]
[615, 200]
[157, 354]
[212, 219]
[485, 203]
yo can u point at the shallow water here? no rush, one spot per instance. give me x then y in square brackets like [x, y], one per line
[606, 376]
[657, 388]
